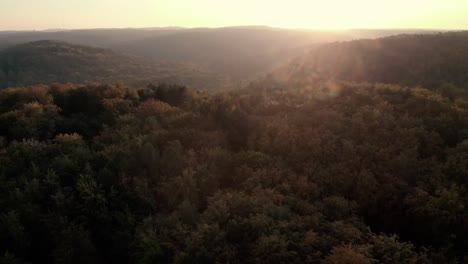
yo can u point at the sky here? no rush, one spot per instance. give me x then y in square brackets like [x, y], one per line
[305, 14]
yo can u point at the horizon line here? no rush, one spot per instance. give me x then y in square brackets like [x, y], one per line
[225, 27]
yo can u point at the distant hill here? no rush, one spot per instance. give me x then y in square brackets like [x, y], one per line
[44, 62]
[124, 37]
[104, 38]
[435, 61]
[239, 54]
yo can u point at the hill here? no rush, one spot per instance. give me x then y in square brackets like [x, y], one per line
[436, 61]
[103, 38]
[112, 38]
[44, 62]
[239, 54]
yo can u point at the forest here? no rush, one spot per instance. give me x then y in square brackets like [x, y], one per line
[336, 173]
[355, 152]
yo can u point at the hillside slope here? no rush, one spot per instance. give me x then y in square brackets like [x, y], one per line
[435, 61]
[44, 62]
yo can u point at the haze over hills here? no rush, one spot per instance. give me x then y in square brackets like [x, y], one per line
[234, 55]
[111, 38]
[242, 52]
[45, 62]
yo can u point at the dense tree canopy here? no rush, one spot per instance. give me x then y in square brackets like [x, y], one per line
[332, 173]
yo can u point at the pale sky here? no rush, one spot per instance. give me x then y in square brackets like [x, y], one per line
[313, 14]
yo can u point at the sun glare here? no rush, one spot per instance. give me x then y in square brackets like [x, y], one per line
[313, 14]
[332, 14]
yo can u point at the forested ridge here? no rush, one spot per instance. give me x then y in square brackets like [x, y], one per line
[46, 62]
[335, 173]
[433, 61]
